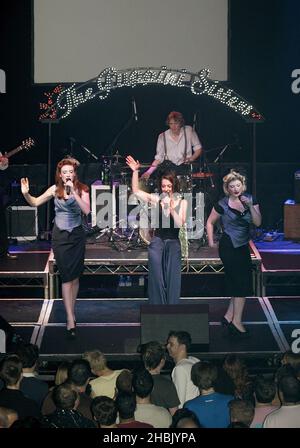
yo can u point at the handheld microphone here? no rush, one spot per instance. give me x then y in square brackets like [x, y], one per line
[134, 109]
[245, 205]
[165, 204]
[68, 188]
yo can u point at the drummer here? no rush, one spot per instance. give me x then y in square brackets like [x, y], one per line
[179, 144]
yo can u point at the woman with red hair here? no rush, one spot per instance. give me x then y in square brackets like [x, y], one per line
[71, 200]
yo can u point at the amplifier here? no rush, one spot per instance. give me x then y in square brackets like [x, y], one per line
[22, 222]
[292, 220]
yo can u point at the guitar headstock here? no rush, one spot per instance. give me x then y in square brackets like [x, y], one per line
[28, 143]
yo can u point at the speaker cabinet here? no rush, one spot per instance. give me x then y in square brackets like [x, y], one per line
[158, 320]
[292, 221]
[22, 222]
[103, 205]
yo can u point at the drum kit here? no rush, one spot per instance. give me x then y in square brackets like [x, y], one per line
[191, 177]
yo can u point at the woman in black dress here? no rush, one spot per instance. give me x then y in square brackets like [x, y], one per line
[71, 201]
[236, 211]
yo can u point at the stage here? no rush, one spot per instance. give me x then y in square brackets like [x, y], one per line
[114, 286]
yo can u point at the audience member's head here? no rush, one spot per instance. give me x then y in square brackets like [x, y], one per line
[291, 358]
[96, 360]
[11, 371]
[142, 383]
[235, 367]
[237, 425]
[65, 397]
[282, 371]
[126, 405]
[104, 410]
[184, 418]
[62, 373]
[264, 390]
[79, 372]
[124, 381]
[289, 389]
[153, 354]
[241, 411]
[179, 344]
[28, 354]
[204, 375]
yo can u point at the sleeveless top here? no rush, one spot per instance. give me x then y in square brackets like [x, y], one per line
[67, 214]
[235, 224]
[167, 228]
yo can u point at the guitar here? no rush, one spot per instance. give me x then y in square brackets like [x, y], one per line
[26, 144]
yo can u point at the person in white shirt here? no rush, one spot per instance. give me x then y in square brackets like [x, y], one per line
[288, 415]
[179, 144]
[178, 345]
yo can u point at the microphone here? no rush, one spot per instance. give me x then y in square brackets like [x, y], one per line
[243, 202]
[165, 204]
[68, 188]
[134, 109]
[72, 139]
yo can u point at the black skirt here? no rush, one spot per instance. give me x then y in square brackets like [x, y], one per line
[69, 250]
[237, 266]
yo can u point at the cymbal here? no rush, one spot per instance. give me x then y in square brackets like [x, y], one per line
[202, 175]
[114, 156]
[142, 165]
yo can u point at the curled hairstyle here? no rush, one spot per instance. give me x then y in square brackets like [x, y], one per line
[232, 176]
[175, 116]
[58, 180]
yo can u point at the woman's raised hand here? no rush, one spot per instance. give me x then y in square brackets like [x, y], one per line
[25, 185]
[132, 163]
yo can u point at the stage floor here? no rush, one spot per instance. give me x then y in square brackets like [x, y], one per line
[108, 314]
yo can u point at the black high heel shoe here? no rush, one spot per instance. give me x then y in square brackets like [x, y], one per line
[234, 331]
[225, 322]
[71, 333]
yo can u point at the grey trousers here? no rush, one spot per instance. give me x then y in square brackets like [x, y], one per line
[164, 262]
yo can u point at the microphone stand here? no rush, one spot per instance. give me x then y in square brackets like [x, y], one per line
[89, 152]
[221, 153]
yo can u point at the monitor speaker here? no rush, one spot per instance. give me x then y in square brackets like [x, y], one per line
[158, 320]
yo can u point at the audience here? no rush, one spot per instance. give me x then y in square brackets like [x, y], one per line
[264, 394]
[105, 412]
[142, 383]
[184, 418]
[105, 383]
[164, 391]
[126, 406]
[210, 407]
[288, 415]
[66, 415]
[31, 386]
[11, 396]
[178, 345]
[241, 413]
